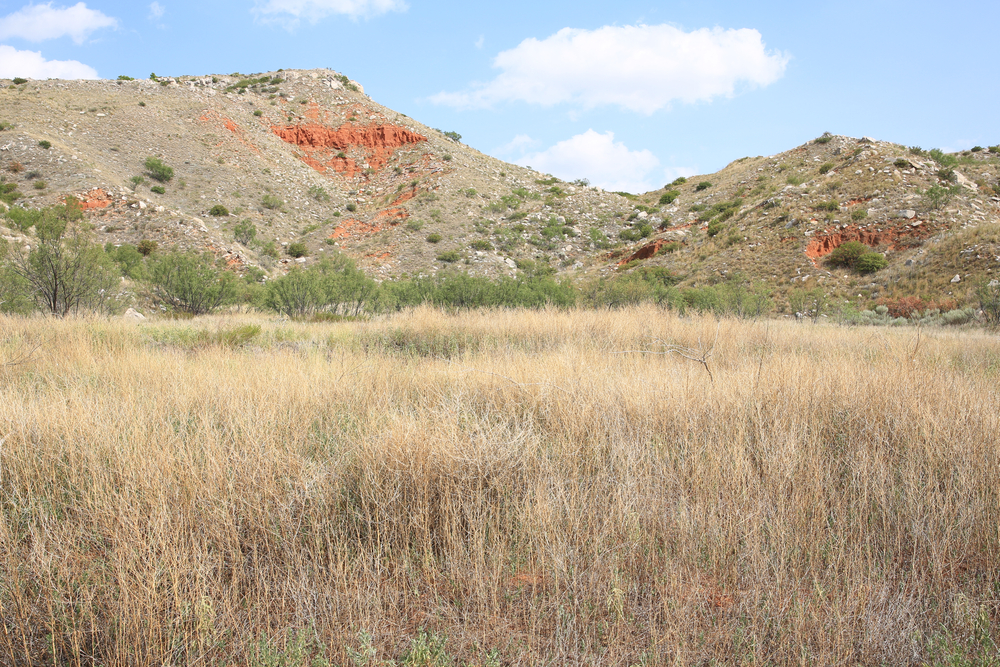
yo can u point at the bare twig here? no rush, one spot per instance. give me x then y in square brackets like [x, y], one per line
[701, 354]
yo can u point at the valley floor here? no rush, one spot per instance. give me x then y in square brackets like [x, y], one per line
[497, 487]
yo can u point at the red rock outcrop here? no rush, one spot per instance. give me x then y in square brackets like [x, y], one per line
[822, 244]
[320, 144]
[96, 198]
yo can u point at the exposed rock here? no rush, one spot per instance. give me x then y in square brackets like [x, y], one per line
[133, 314]
[956, 279]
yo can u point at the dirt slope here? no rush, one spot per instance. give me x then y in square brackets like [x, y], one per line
[307, 157]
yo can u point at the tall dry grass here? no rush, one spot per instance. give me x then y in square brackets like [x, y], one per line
[503, 487]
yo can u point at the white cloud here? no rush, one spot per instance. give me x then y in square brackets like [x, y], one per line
[289, 12]
[480, 41]
[156, 11]
[37, 23]
[31, 65]
[641, 68]
[600, 159]
[520, 143]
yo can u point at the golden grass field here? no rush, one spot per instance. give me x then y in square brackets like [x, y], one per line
[497, 488]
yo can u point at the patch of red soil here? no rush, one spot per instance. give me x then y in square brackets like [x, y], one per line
[405, 196]
[824, 243]
[396, 214]
[215, 117]
[96, 198]
[321, 143]
[645, 252]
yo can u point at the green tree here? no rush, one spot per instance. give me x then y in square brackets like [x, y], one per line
[192, 283]
[64, 271]
[157, 170]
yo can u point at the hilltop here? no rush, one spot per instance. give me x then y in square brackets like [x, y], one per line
[311, 164]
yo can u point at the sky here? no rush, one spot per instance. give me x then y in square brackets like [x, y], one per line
[628, 94]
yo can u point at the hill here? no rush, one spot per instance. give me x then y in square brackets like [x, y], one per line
[283, 168]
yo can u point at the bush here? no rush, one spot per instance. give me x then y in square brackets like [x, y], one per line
[414, 225]
[825, 167]
[6, 126]
[352, 207]
[446, 157]
[454, 136]
[847, 254]
[123, 77]
[870, 262]
[146, 247]
[157, 170]
[668, 197]
[859, 214]
[18, 81]
[434, 238]
[192, 283]
[45, 143]
[947, 175]
[218, 210]
[714, 228]
[481, 245]
[158, 189]
[989, 302]
[245, 232]
[297, 249]
[825, 139]
[680, 180]
[704, 185]
[258, 113]
[319, 193]
[40, 185]
[832, 206]
[270, 202]
[449, 256]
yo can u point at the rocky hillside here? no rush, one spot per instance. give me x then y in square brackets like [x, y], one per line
[277, 169]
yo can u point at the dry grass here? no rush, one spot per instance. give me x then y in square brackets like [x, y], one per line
[529, 484]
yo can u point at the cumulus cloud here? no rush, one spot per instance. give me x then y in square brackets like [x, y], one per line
[641, 68]
[289, 12]
[599, 158]
[37, 23]
[31, 65]
[156, 11]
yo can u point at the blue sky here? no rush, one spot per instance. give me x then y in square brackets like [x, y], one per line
[628, 94]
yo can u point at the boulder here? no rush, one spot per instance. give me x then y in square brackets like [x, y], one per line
[134, 315]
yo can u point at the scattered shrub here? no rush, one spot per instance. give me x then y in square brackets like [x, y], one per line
[146, 247]
[270, 202]
[19, 80]
[6, 126]
[859, 214]
[45, 144]
[258, 113]
[192, 283]
[668, 197]
[947, 175]
[245, 232]
[847, 254]
[434, 238]
[158, 189]
[704, 185]
[40, 185]
[218, 210]
[123, 77]
[319, 193]
[446, 157]
[825, 139]
[870, 262]
[414, 225]
[297, 249]
[352, 207]
[481, 245]
[825, 167]
[449, 256]
[832, 206]
[680, 180]
[673, 246]
[15, 167]
[157, 170]
[454, 136]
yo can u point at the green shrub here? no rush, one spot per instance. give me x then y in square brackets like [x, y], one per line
[942, 158]
[454, 136]
[414, 225]
[352, 207]
[859, 214]
[795, 179]
[434, 238]
[832, 206]
[870, 262]
[668, 197]
[6, 126]
[245, 232]
[825, 167]
[704, 185]
[449, 256]
[123, 77]
[45, 143]
[680, 180]
[947, 175]
[976, 149]
[481, 245]
[297, 249]
[258, 113]
[158, 189]
[18, 81]
[146, 247]
[270, 202]
[901, 163]
[847, 254]
[192, 283]
[599, 239]
[825, 139]
[446, 157]
[714, 228]
[270, 249]
[157, 170]
[218, 210]
[40, 185]
[319, 193]
[673, 246]
[137, 181]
